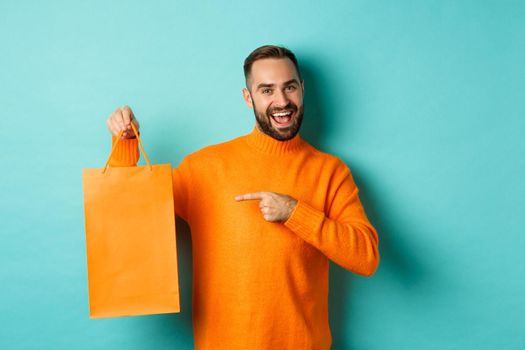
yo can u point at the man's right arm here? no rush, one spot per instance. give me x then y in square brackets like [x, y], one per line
[127, 154]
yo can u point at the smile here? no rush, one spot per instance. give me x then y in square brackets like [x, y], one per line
[282, 119]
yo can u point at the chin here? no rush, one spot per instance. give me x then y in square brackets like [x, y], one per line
[285, 134]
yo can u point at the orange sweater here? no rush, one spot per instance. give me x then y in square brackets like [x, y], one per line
[257, 284]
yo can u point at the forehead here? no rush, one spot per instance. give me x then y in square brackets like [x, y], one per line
[273, 71]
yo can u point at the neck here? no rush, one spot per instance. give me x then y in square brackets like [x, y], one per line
[267, 144]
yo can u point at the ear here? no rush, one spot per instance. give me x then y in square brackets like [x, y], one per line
[302, 86]
[247, 97]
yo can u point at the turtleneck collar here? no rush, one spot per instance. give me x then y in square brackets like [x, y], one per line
[267, 144]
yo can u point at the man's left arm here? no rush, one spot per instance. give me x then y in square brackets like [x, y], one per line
[344, 234]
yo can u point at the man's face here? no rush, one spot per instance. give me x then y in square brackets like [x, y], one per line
[276, 96]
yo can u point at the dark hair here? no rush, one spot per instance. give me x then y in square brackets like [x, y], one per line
[268, 51]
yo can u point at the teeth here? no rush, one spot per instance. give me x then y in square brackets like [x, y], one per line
[282, 114]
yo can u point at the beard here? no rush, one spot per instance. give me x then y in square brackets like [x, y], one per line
[281, 134]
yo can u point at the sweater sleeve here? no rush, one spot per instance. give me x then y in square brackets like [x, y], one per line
[344, 234]
[127, 154]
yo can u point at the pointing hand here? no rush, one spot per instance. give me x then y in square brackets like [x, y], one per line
[275, 207]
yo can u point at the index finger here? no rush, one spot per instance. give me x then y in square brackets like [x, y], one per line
[250, 196]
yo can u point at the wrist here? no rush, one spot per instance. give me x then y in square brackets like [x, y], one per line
[292, 203]
[130, 137]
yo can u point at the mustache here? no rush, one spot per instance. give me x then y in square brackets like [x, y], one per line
[289, 107]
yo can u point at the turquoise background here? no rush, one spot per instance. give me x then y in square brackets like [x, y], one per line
[424, 100]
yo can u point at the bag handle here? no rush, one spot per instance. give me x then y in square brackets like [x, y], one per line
[116, 143]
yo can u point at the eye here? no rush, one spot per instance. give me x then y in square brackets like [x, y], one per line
[290, 87]
[266, 91]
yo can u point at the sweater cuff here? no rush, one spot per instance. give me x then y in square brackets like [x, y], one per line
[127, 152]
[305, 220]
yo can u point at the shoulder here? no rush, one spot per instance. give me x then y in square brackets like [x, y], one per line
[327, 161]
[335, 171]
[213, 152]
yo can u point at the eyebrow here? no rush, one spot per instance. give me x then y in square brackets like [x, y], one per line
[262, 85]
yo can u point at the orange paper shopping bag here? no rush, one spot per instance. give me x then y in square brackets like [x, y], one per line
[130, 239]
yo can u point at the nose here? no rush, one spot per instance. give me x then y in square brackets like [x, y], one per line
[281, 100]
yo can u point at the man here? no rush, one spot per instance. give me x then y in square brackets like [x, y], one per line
[266, 211]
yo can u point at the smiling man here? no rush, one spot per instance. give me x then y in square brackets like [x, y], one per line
[267, 211]
[279, 108]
